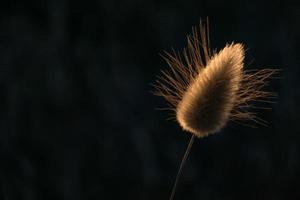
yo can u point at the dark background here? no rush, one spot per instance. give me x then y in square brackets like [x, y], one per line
[78, 120]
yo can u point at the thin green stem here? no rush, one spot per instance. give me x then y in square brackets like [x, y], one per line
[183, 161]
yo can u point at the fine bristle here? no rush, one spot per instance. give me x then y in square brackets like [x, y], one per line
[184, 68]
[205, 91]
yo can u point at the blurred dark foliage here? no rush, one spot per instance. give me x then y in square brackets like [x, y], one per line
[78, 120]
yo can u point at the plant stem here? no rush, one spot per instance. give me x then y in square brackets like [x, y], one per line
[183, 161]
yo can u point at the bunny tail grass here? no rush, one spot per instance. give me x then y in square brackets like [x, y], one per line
[183, 161]
[206, 105]
[206, 90]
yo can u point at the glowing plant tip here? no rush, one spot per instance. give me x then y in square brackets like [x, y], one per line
[206, 91]
[206, 104]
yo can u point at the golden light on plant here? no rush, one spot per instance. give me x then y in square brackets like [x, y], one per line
[207, 89]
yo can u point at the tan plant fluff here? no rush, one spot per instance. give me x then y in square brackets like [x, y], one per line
[207, 90]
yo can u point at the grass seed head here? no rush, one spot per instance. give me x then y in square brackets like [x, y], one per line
[205, 90]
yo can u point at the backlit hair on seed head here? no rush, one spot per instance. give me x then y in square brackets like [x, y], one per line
[205, 90]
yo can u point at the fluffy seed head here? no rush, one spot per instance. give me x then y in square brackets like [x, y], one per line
[206, 91]
[206, 105]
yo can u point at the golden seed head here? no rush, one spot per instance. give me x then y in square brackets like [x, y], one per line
[206, 105]
[205, 91]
